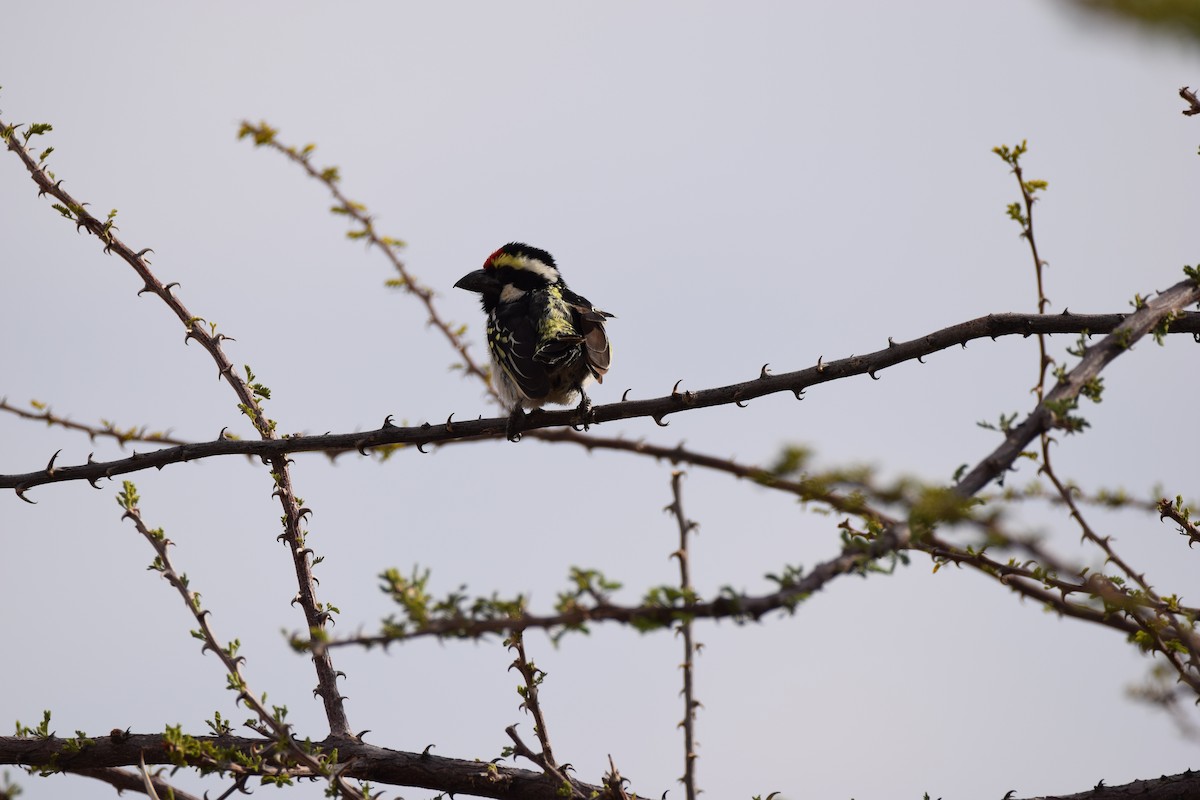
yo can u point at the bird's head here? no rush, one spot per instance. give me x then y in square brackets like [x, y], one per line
[509, 273]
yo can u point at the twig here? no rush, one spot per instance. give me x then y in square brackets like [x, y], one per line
[1181, 516]
[565, 786]
[264, 135]
[533, 678]
[106, 429]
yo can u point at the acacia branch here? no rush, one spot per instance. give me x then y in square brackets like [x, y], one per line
[991, 326]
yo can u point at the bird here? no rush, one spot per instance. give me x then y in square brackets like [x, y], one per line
[545, 341]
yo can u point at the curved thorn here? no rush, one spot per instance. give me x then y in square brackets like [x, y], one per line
[20, 490]
[675, 388]
[50, 466]
[449, 425]
[920, 359]
[221, 435]
[425, 752]
[658, 420]
[891, 343]
[762, 373]
[359, 445]
[871, 372]
[799, 393]
[146, 288]
[740, 404]
[421, 447]
[820, 364]
[387, 422]
[625, 395]
[142, 252]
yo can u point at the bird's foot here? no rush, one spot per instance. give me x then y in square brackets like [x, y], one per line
[516, 421]
[585, 406]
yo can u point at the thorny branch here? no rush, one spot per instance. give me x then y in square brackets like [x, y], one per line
[797, 382]
[690, 648]
[248, 401]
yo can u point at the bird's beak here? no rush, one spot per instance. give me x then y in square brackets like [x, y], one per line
[479, 281]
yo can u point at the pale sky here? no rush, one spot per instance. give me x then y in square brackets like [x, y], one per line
[739, 184]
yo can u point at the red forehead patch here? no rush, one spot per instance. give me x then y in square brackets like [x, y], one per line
[489, 264]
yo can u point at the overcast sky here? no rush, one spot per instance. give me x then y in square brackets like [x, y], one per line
[740, 184]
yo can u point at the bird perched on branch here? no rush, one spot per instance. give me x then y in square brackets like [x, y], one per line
[546, 342]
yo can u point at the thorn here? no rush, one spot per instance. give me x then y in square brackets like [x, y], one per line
[146, 288]
[920, 360]
[20, 490]
[387, 422]
[425, 752]
[221, 435]
[891, 343]
[762, 373]
[449, 426]
[141, 254]
[871, 372]
[625, 395]
[659, 422]
[359, 445]
[799, 393]
[421, 447]
[50, 466]
[820, 365]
